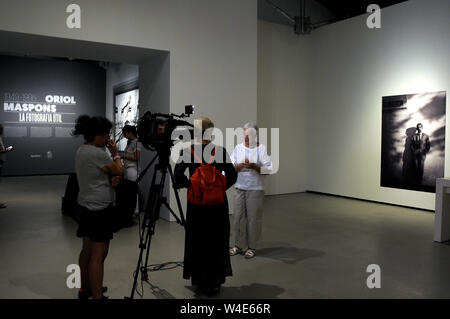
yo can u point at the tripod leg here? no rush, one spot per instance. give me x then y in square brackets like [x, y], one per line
[177, 196]
[142, 246]
[147, 232]
[152, 211]
[173, 213]
[155, 216]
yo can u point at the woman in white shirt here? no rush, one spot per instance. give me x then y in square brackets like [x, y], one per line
[128, 190]
[131, 154]
[251, 162]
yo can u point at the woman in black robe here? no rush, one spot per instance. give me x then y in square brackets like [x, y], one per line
[206, 254]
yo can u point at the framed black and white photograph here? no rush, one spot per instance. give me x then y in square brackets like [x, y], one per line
[126, 110]
[413, 141]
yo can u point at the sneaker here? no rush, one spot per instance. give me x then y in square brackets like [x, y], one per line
[3, 205]
[235, 250]
[250, 253]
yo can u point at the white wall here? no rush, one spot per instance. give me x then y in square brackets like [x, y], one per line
[282, 102]
[352, 67]
[324, 92]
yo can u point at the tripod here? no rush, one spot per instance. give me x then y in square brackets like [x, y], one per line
[152, 210]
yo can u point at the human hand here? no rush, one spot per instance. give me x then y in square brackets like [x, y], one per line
[115, 181]
[254, 166]
[111, 145]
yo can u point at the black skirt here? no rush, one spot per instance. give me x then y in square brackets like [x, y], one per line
[206, 254]
[98, 226]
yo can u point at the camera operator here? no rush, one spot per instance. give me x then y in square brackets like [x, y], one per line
[127, 191]
[97, 173]
[206, 258]
[131, 154]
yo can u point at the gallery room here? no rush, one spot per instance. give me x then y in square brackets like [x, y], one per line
[224, 149]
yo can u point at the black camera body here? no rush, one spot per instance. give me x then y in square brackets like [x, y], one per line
[155, 129]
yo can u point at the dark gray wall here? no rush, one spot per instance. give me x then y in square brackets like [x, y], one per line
[46, 148]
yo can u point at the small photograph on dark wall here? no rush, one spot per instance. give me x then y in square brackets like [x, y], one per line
[413, 141]
[126, 112]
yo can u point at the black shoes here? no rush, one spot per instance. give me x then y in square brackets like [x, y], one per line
[210, 291]
[88, 294]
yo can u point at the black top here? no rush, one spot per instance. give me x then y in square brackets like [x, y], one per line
[221, 161]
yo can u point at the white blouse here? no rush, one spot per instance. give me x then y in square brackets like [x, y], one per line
[249, 179]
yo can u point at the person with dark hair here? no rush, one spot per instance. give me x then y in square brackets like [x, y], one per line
[420, 146]
[3, 152]
[95, 170]
[206, 258]
[131, 154]
[128, 190]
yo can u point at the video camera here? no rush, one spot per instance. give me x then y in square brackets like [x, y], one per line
[155, 129]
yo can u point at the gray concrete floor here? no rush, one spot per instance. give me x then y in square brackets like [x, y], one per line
[314, 246]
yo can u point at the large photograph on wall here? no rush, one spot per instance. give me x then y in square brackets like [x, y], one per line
[126, 110]
[413, 141]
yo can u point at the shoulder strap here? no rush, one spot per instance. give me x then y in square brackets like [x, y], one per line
[199, 159]
[195, 155]
[212, 156]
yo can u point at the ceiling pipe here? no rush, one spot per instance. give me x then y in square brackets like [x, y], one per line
[301, 23]
[281, 11]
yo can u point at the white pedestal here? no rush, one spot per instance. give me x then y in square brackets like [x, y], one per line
[442, 216]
